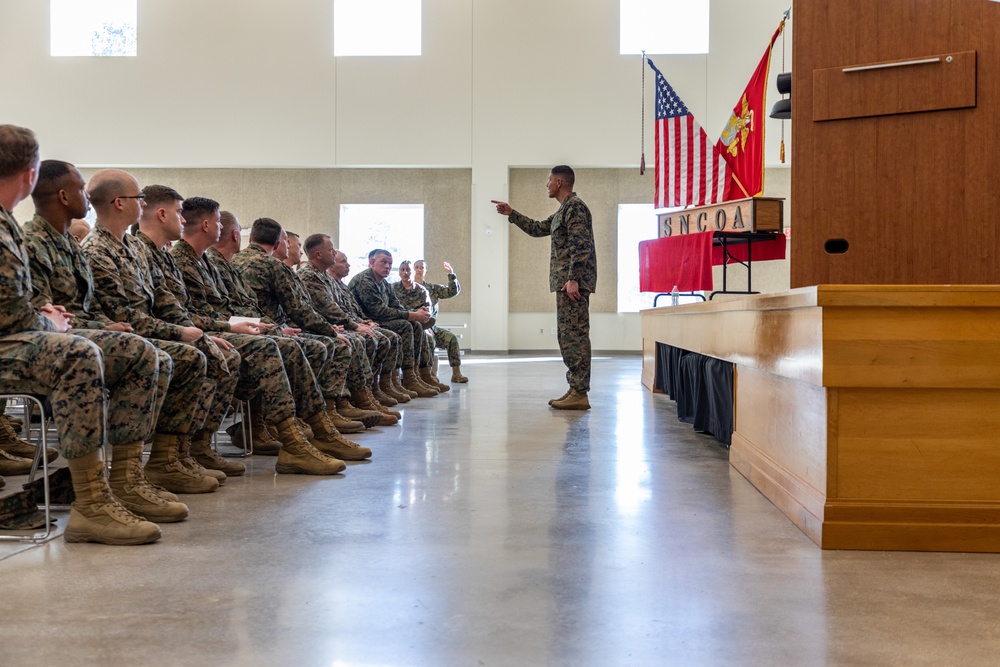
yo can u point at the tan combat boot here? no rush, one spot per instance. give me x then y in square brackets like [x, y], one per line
[561, 398]
[327, 440]
[362, 400]
[305, 428]
[15, 446]
[343, 423]
[576, 400]
[397, 383]
[412, 383]
[298, 457]
[376, 404]
[382, 397]
[165, 469]
[202, 452]
[418, 372]
[96, 515]
[389, 389]
[428, 378]
[133, 490]
[456, 375]
[263, 442]
[184, 454]
[347, 409]
[13, 465]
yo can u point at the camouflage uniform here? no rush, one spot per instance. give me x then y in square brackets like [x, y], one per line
[320, 287]
[359, 372]
[260, 369]
[60, 275]
[573, 257]
[201, 281]
[389, 351]
[380, 304]
[273, 285]
[69, 369]
[442, 337]
[126, 291]
[412, 299]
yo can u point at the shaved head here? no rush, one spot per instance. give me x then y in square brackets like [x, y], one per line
[107, 184]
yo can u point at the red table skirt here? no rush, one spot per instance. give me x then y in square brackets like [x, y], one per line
[686, 260]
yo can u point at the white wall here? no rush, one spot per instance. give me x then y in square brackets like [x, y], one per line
[501, 83]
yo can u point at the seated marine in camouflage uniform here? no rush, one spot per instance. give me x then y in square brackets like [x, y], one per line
[442, 337]
[328, 293]
[389, 381]
[242, 304]
[414, 296]
[373, 292]
[38, 356]
[363, 343]
[207, 277]
[274, 287]
[61, 274]
[200, 229]
[123, 270]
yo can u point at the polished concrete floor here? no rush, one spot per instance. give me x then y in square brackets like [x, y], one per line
[492, 530]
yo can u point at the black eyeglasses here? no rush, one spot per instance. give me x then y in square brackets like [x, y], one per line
[130, 197]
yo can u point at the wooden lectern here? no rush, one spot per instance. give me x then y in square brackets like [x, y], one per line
[896, 142]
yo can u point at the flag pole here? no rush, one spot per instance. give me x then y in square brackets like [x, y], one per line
[642, 131]
[786, 16]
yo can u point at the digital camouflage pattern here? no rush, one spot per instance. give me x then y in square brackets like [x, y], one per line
[124, 286]
[241, 299]
[573, 256]
[260, 368]
[331, 376]
[446, 340]
[319, 285]
[380, 304]
[436, 292]
[35, 359]
[205, 296]
[412, 299]
[442, 337]
[61, 275]
[359, 370]
[272, 284]
[387, 352]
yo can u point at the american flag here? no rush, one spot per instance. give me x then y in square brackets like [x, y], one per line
[690, 171]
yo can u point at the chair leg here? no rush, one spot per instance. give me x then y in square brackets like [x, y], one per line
[30, 402]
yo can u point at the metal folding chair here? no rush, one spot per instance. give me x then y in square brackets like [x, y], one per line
[31, 401]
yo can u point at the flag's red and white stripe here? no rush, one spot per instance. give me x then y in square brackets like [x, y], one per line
[689, 169]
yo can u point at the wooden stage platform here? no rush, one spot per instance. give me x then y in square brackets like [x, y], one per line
[869, 414]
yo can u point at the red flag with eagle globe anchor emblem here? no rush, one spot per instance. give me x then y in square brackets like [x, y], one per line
[742, 140]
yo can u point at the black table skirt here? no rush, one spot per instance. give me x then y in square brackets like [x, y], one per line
[701, 386]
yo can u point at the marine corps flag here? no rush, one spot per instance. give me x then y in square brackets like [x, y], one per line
[742, 140]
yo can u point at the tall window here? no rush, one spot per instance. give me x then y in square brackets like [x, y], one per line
[664, 26]
[398, 228]
[383, 28]
[92, 27]
[636, 222]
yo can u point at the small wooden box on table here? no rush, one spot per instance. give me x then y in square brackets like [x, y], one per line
[868, 414]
